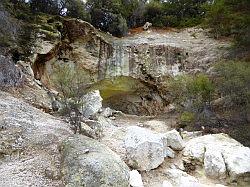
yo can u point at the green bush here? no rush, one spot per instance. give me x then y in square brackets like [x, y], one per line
[197, 90]
[233, 82]
[187, 118]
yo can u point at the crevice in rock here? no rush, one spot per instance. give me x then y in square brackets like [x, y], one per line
[226, 165]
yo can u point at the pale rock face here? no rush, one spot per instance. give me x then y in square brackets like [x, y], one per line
[174, 140]
[218, 151]
[156, 125]
[145, 150]
[214, 164]
[92, 103]
[87, 162]
[135, 179]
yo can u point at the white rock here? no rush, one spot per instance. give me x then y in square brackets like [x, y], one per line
[135, 179]
[145, 150]
[107, 112]
[214, 164]
[169, 152]
[92, 103]
[167, 184]
[234, 155]
[237, 160]
[190, 135]
[146, 26]
[87, 131]
[174, 140]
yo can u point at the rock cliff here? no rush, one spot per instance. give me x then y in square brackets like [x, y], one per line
[145, 59]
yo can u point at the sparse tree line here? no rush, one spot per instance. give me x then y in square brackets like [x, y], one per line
[225, 17]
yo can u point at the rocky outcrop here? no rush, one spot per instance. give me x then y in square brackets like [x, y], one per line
[29, 140]
[86, 162]
[78, 45]
[221, 156]
[148, 58]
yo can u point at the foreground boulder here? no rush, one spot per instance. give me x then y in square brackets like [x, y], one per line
[86, 162]
[29, 141]
[220, 155]
[145, 150]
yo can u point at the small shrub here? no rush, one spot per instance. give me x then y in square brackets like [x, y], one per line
[233, 82]
[187, 118]
[70, 82]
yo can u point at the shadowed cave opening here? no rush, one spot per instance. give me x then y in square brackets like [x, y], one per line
[129, 95]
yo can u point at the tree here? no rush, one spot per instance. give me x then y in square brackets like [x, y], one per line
[45, 6]
[109, 22]
[230, 18]
[197, 90]
[76, 9]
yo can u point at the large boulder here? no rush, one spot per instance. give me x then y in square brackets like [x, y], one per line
[29, 144]
[220, 154]
[92, 103]
[145, 150]
[86, 162]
